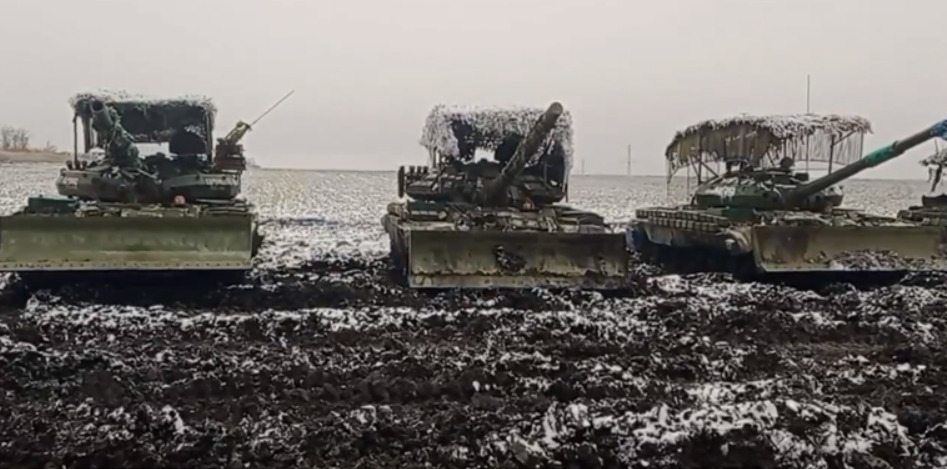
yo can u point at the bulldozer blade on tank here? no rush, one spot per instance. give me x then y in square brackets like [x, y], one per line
[787, 249]
[110, 243]
[515, 259]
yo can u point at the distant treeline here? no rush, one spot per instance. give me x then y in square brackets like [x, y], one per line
[17, 139]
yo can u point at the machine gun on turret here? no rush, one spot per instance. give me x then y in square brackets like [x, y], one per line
[480, 224]
[228, 154]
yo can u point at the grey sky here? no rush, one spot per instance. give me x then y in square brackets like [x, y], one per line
[366, 72]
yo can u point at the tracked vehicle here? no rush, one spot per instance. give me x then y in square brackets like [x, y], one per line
[486, 224]
[933, 208]
[119, 211]
[758, 217]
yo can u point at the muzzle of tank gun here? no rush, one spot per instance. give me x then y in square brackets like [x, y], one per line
[940, 129]
[100, 115]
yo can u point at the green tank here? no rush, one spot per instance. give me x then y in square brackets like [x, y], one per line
[933, 208]
[759, 216]
[463, 223]
[121, 211]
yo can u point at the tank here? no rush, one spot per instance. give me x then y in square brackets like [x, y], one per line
[116, 210]
[760, 216]
[933, 208]
[468, 223]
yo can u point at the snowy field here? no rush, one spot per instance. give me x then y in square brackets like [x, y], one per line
[319, 361]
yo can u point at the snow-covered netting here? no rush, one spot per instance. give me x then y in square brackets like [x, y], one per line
[764, 140]
[152, 119]
[456, 132]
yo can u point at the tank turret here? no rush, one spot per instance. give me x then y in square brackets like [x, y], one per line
[782, 189]
[532, 155]
[496, 190]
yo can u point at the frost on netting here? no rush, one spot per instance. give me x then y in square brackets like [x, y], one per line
[455, 131]
[152, 119]
[785, 126]
[764, 140]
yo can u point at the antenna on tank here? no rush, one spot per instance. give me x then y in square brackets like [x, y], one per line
[808, 110]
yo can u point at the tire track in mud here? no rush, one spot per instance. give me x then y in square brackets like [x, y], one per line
[327, 363]
[697, 369]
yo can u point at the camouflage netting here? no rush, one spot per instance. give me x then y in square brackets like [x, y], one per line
[486, 127]
[766, 139]
[151, 119]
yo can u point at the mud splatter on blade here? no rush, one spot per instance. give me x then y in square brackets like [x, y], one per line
[512, 259]
[852, 248]
[55, 243]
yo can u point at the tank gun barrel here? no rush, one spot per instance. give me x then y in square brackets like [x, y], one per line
[524, 151]
[869, 161]
[121, 146]
[101, 116]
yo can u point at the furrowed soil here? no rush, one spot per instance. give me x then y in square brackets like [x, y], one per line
[319, 360]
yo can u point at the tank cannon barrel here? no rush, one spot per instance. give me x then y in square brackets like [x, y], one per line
[101, 116]
[524, 151]
[869, 161]
[121, 146]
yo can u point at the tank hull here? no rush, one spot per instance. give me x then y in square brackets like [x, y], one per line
[436, 255]
[786, 243]
[118, 238]
[931, 212]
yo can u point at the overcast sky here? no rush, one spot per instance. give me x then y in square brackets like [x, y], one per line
[366, 72]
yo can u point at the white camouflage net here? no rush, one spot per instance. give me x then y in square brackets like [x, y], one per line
[491, 125]
[765, 139]
[786, 126]
[115, 97]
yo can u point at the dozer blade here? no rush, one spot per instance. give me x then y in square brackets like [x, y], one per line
[513, 259]
[53, 243]
[784, 249]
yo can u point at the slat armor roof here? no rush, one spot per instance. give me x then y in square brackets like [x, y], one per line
[455, 131]
[151, 119]
[755, 138]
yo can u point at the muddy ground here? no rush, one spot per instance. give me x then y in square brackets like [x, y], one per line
[344, 369]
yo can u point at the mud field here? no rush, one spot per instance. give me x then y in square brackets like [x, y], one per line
[319, 361]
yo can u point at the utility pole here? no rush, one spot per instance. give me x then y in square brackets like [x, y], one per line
[628, 169]
[808, 92]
